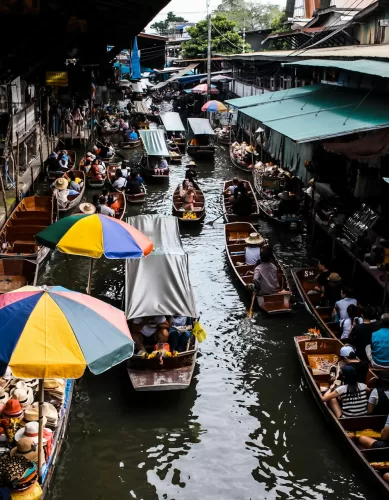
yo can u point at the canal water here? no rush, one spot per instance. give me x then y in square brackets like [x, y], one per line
[246, 429]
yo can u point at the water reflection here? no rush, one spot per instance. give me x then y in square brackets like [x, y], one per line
[246, 429]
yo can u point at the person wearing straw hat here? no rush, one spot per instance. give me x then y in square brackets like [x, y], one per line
[61, 191]
[191, 173]
[87, 208]
[253, 250]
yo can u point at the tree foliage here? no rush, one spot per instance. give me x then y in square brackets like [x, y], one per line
[225, 38]
[162, 26]
[250, 14]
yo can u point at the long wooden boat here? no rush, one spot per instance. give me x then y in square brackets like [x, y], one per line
[309, 352]
[17, 236]
[74, 200]
[15, 273]
[52, 176]
[94, 183]
[203, 151]
[193, 217]
[229, 216]
[150, 174]
[121, 198]
[181, 143]
[175, 158]
[238, 164]
[305, 280]
[235, 235]
[137, 198]
[130, 144]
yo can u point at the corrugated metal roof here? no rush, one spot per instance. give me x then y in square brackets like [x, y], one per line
[254, 100]
[172, 122]
[200, 126]
[366, 66]
[154, 142]
[329, 112]
[182, 72]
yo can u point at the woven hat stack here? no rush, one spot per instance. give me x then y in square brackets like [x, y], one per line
[50, 412]
[55, 389]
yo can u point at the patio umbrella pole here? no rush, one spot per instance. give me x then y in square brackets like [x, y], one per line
[40, 437]
[89, 289]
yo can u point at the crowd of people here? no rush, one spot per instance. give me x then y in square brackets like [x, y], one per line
[128, 181]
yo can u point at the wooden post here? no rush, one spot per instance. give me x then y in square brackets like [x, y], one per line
[4, 196]
[40, 435]
[17, 167]
[89, 287]
[71, 132]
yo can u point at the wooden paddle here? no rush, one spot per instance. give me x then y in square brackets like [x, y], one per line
[214, 220]
[250, 313]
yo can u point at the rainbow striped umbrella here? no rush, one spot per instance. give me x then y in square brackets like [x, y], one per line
[214, 106]
[53, 332]
[95, 235]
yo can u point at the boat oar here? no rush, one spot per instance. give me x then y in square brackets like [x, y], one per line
[250, 313]
[214, 220]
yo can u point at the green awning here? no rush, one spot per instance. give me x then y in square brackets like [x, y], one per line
[154, 142]
[366, 66]
[200, 126]
[324, 113]
[172, 122]
[244, 102]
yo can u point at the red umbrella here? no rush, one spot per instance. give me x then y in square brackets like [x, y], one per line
[202, 89]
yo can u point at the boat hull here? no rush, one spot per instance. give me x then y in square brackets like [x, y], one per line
[199, 205]
[130, 145]
[230, 217]
[201, 151]
[238, 164]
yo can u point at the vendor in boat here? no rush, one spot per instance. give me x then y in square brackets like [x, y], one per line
[265, 274]
[231, 189]
[191, 173]
[189, 200]
[152, 328]
[133, 184]
[172, 147]
[332, 289]
[377, 351]
[322, 277]
[242, 205]
[120, 180]
[340, 309]
[379, 397]
[249, 155]
[179, 333]
[162, 167]
[61, 191]
[186, 184]
[288, 205]
[349, 399]
[253, 249]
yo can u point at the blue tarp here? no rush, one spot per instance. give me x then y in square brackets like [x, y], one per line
[135, 62]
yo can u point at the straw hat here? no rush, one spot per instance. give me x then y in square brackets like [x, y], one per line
[287, 196]
[250, 149]
[32, 415]
[26, 448]
[87, 208]
[254, 239]
[61, 183]
[334, 277]
[49, 411]
[192, 164]
[53, 383]
[31, 431]
[24, 396]
[4, 396]
[12, 409]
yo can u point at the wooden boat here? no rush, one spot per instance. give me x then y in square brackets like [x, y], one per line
[109, 131]
[121, 198]
[150, 174]
[94, 183]
[130, 144]
[181, 143]
[200, 142]
[235, 235]
[137, 198]
[52, 176]
[15, 273]
[229, 216]
[17, 236]
[238, 164]
[310, 353]
[201, 151]
[111, 171]
[175, 158]
[192, 217]
[156, 373]
[305, 280]
[74, 200]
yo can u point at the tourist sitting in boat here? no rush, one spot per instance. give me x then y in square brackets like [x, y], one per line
[382, 442]
[107, 150]
[348, 357]
[88, 208]
[75, 183]
[179, 333]
[349, 399]
[191, 173]
[253, 249]
[52, 164]
[61, 191]
[340, 309]
[378, 351]
[265, 274]
[322, 277]
[151, 328]
[231, 189]
[162, 167]
[130, 135]
[346, 325]
[103, 209]
[242, 205]
[332, 289]
[379, 397]
[133, 183]
[63, 159]
[95, 172]
[360, 335]
[120, 180]
[172, 147]
[189, 200]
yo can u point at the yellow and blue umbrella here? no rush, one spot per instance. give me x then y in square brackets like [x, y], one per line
[95, 235]
[214, 107]
[53, 332]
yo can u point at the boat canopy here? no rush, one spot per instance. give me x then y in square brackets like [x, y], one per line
[159, 284]
[200, 126]
[141, 107]
[172, 122]
[154, 142]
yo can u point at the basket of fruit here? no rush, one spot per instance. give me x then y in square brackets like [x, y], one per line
[189, 215]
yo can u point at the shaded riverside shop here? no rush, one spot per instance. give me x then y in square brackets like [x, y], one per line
[334, 137]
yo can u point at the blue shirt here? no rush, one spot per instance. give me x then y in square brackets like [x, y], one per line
[380, 347]
[133, 136]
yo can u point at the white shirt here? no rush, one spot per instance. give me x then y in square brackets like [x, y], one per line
[342, 306]
[151, 327]
[373, 399]
[119, 183]
[104, 210]
[253, 254]
[231, 189]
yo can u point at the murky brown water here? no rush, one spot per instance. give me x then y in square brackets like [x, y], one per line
[247, 428]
